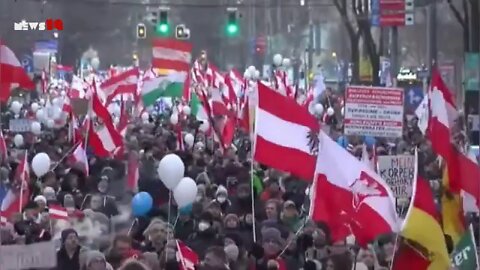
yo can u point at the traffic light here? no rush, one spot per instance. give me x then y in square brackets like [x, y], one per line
[163, 28]
[141, 31]
[182, 32]
[232, 22]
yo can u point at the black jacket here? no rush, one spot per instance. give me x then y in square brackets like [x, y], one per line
[65, 262]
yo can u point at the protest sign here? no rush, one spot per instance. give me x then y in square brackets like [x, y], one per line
[464, 256]
[374, 111]
[20, 125]
[38, 255]
[398, 172]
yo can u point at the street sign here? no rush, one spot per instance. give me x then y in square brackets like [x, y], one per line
[27, 63]
[413, 98]
[386, 13]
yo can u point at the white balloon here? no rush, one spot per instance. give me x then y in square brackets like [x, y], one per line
[343, 111]
[56, 101]
[286, 62]
[318, 109]
[311, 108]
[170, 170]
[204, 126]
[36, 128]
[16, 107]
[95, 62]
[189, 139]
[187, 110]
[185, 192]
[18, 140]
[41, 164]
[42, 101]
[56, 112]
[34, 107]
[330, 111]
[256, 74]
[50, 123]
[199, 145]
[251, 70]
[277, 59]
[246, 74]
[40, 115]
[16, 116]
[63, 93]
[174, 119]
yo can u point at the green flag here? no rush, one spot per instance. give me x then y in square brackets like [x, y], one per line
[464, 256]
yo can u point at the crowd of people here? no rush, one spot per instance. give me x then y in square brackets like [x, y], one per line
[220, 227]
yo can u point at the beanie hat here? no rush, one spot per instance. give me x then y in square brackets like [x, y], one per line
[221, 190]
[229, 217]
[274, 235]
[206, 216]
[232, 252]
[66, 233]
[49, 193]
[40, 198]
[94, 255]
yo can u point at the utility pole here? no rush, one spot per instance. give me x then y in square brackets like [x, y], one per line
[432, 49]
[394, 63]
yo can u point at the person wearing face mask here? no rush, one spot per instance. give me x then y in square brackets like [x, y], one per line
[205, 235]
[221, 197]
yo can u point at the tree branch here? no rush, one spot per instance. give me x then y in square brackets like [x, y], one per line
[456, 13]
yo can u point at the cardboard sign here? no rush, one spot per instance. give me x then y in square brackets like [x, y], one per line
[38, 255]
[398, 172]
[20, 125]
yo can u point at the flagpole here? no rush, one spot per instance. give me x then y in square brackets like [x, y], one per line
[472, 235]
[252, 190]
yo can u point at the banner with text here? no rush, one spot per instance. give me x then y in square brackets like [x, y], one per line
[398, 171]
[374, 111]
[34, 256]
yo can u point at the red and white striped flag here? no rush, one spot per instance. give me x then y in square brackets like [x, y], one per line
[171, 54]
[18, 195]
[58, 212]
[12, 73]
[283, 134]
[186, 256]
[79, 155]
[123, 83]
[133, 174]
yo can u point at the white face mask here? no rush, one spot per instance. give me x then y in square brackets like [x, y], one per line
[202, 226]
[221, 199]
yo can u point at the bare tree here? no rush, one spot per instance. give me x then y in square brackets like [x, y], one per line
[468, 18]
[356, 21]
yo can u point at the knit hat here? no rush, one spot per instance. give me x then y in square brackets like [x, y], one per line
[221, 190]
[232, 252]
[94, 255]
[66, 233]
[40, 198]
[274, 235]
[49, 193]
[229, 217]
[206, 216]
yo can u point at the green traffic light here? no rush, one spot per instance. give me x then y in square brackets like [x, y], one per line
[232, 28]
[163, 28]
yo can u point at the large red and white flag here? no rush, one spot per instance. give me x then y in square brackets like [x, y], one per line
[123, 83]
[3, 148]
[12, 73]
[186, 257]
[18, 195]
[171, 54]
[283, 134]
[349, 196]
[463, 173]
